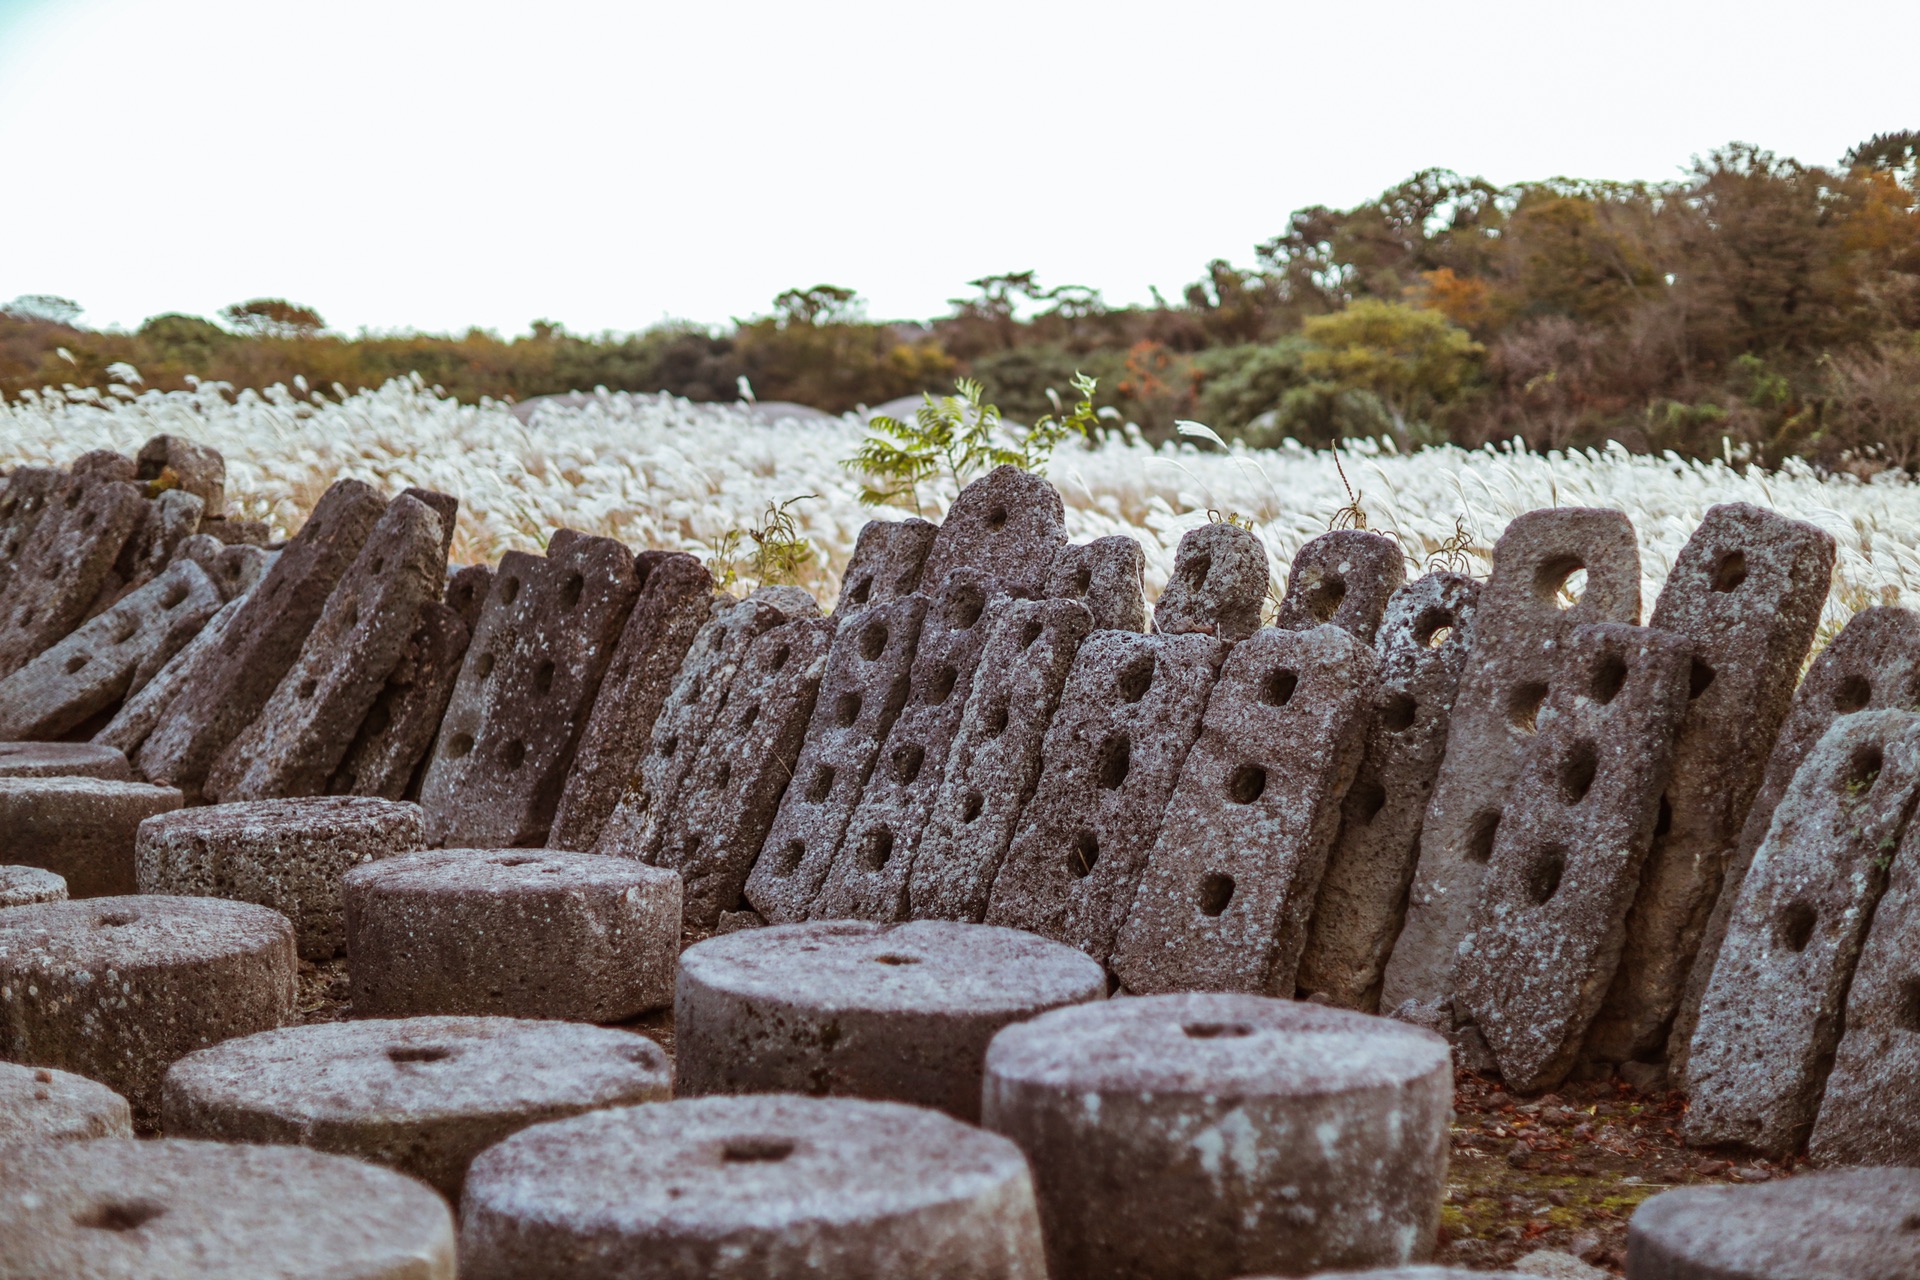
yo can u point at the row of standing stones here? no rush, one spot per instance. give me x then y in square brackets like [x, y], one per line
[935, 830]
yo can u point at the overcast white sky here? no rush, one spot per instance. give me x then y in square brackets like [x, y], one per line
[416, 164]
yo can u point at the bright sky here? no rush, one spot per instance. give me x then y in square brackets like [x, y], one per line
[607, 163]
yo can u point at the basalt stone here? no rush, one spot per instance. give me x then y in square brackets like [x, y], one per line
[289, 855]
[446, 509]
[886, 563]
[118, 989]
[177, 464]
[23, 500]
[1848, 1224]
[1746, 591]
[1772, 1015]
[384, 759]
[182, 1210]
[902, 1012]
[1567, 859]
[1405, 1273]
[467, 590]
[1422, 644]
[1345, 577]
[674, 602]
[41, 1105]
[239, 533]
[1206, 1136]
[143, 710]
[1218, 585]
[79, 828]
[1229, 887]
[772, 1188]
[526, 690]
[1108, 575]
[1525, 613]
[866, 683]
[235, 569]
[165, 523]
[25, 886]
[420, 1095]
[62, 760]
[64, 563]
[236, 677]
[1873, 664]
[1009, 524]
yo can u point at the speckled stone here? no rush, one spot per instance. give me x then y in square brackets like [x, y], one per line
[1344, 577]
[25, 886]
[1218, 585]
[177, 464]
[1847, 1224]
[24, 495]
[1008, 525]
[62, 760]
[1404, 1273]
[1202, 1136]
[388, 747]
[886, 564]
[65, 562]
[233, 569]
[467, 590]
[82, 829]
[1108, 575]
[143, 710]
[39, 1104]
[166, 521]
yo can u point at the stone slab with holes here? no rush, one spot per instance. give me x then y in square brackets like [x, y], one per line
[390, 744]
[175, 1209]
[233, 568]
[736, 1188]
[1527, 607]
[1422, 643]
[467, 590]
[1229, 887]
[169, 463]
[165, 523]
[24, 496]
[118, 989]
[25, 886]
[1771, 1018]
[1108, 576]
[62, 760]
[66, 562]
[1567, 861]
[1334, 1126]
[420, 1095]
[886, 564]
[902, 1012]
[289, 855]
[1845, 1224]
[42, 1105]
[521, 933]
[1218, 584]
[143, 710]
[1008, 525]
[82, 829]
[1345, 577]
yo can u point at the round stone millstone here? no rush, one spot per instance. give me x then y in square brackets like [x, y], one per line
[845, 1007]
[25, 886]
[422, 1095]
[81, 829]
[39, 1104]
[532, 933]
[63, 760]
[118, 989]
[755, 1188]
[1201, 1135]
[1848, 1224]
[289, 855]
[121, 1209]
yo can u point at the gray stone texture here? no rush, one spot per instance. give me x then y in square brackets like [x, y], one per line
[467, 590]
[1852, 1224]
[82, 829]
[1524, 615]
[25, 886]
[1422, 644]
[1344, 577]
[850, 1007]
[62, 760]
[240, 533]
[1108, 575]
[144, 709]
[23, 500]
[41, 1105]
[1204, 1136]
[165, 524]
[64, 563]
[1007, 525]
[235, 569]
[886, 563]
[175, 463]
[1230, 885]
[389, 746]
[1218, 585]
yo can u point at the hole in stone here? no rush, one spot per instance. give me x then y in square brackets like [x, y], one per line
[459, 745]
[1432, 628]
[1863, 770]
[1216, 891]
[1278, 690]
[891, 958]
[483, 666]
[1561, 581]
[1323, 602]
[995, 722]
[114, 919]
[873, 641]
[695, 688]
[418, 1053]
[1083, 581]
[1577, 771]
[1217, 1030]
[1480, 833]
[907, 761]
[877, 848]
[1731, 571]
[509, 590]
[543, 678]
[1246, 784]
[1543, 874]
[1030, 633]
[1796, 925]
[120, 1215]
[1608, 678]
[971, 809]
[1911, 1222]
[1663, 820]
[570, 590]
[723, 775]
[748, 716]
[306, 689]
[378, 720]
[1195, 571]
[1853, 694]
[379, 564]
[940, 688]
[128, 628]
[846, 709]
[1136, 679]
[997, 518]
[1523, 708]
[1906, 1012]
[1698, 678]
[76, 662]
[859, 591]
[514, 754]
[788, 860]
[352, 619]
[1082, 854]
[174, 595]
[1397, 712]
[1116, 758]
[671, 745]
[966, 607]
[756, 1150]
[86, 521]
[1369, 798]
[822, 784]
[513, 862]
[778, 658]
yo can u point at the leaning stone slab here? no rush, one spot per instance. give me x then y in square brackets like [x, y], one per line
[23, 500]
[423, 1096]
[1218, 585]
[64, 563]
[1524, 615]
[1008, 525]
[41, 1105]
[234, 568]
[165, 523]
[1108, 576]
[1345, 577]
[1217, 1135]
[467, 590]
[1230, 884]
[182, 1210]
[1771, 1018]
[384, 759]
[61, 760]
[82, 829]
[1846, 1224]
[1422, 644]
[175, 463]
[143, 710]
[746, 1188]
[886, 563]
[1579, 821]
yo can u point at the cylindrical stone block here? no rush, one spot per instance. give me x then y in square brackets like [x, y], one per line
[39, 1104]
[1201, 1136]
[118, 989]
[25, 886]
[903, 1012]
[1849, 1224]
[421, 1095]
[174, 1210]
[63, 760]
[758, 1188]
[289, 855]
[81, 829]
[529, 933]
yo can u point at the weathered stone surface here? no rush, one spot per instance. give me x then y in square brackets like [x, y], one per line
[165, 523]
[1344, 577]
[64, 563]
[391, 742]
[1108, 575]
[527, 933]
[420, 1095]
[850, 1007]
[1422, 644]
[676, 594]
[885, 565]
[175, 463]
[1009, 524]
[24, 886]
[1847, 1224]
[23, 500]
[233, 680]
[289, 855]
[771, 1188]
[446, 509]
[1771, 1018]
[117, 989]
[467, 590]
[181, 1210]
[239, 533]
[1404, 1273]
[1567, 859]
[525, 691]
[79, 828]
[143, 710]
[1746, 591]
[1218, 585]
[235, 569]
[1208, 1136]
[1873, 664]
[39, 1104]
[1129, 713]
[1230, 884]
[1517, 633]
[61, 760]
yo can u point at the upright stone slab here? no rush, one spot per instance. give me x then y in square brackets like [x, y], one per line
[1567, 859]
[1771, 1018]
[1345, 577]
[1129, 713]
[525, 691]
[25, 886]
[62, 759]
[467, 590]
[23, 500]
[1845, 1224]
[1230, 884]
[385, 756]
[176, 463]
[234, 679]
[1008, 525]
[1107, 575]
[41, 1105]
[1525, 613]
[1218, 585]
[886, 563]
[82, 829]
[64, 563]
[1746, 591]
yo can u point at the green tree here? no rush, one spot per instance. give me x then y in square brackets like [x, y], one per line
[1414, 360]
